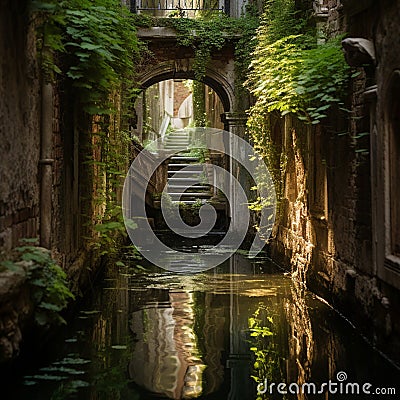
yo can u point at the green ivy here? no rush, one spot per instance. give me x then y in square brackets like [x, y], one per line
[273, 76]
[111, 172]
[199, 105]
[290, 72]
[322, 80]
[93, 45]
[210, 32]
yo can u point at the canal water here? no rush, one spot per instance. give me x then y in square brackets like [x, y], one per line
[227, 333]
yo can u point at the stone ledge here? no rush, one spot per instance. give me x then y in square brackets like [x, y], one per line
[166, 33]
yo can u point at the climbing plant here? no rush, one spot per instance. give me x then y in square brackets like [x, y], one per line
[111, 168]
[93, 45]
[292, 73]
[291, 79]
[199, 106]
[210, 32]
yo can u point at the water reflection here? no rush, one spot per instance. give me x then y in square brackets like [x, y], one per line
[206, 336]
[301, 342]
[192, 340]
[166, 359]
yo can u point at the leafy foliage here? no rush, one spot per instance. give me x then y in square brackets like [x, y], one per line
[274, 75]
[209, 32]
[48, 282]
[96, 43]
[290, 72]
[199, 106]
[111, 170]
[267, 360]
[322, 80]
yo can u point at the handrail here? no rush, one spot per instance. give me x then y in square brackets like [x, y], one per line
[178, 6]
[164, 126]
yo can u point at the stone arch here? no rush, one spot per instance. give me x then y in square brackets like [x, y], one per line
[214, 79]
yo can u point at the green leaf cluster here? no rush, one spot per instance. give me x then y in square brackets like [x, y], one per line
[111, 170]
[93, 44]
[292, 73]
[209, 32]
[47, 281]
[265, 349]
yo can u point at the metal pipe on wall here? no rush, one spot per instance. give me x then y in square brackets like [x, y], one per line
[46, 164]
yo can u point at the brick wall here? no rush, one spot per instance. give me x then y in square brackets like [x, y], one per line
[180, 94]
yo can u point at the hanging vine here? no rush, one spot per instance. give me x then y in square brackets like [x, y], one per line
[210, 32]
[292, 73]
[93, 44]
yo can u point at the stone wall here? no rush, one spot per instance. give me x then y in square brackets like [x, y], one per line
[331, 226]
[20, 153]
[19, 125]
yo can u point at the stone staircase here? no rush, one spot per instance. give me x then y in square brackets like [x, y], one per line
[177, 140]
[184, 170]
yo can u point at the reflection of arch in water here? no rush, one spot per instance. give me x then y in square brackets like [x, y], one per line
[166, 359]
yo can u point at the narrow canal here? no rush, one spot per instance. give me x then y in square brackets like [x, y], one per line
[150, 333]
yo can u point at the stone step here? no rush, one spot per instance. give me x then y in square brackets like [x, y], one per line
[177, 139]
[185, 201]
[179, 136]
[186, 165]
[180, 188]
[190, 194]
[185, 159]
[185, 172]
[182, 180]
[174, 148]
